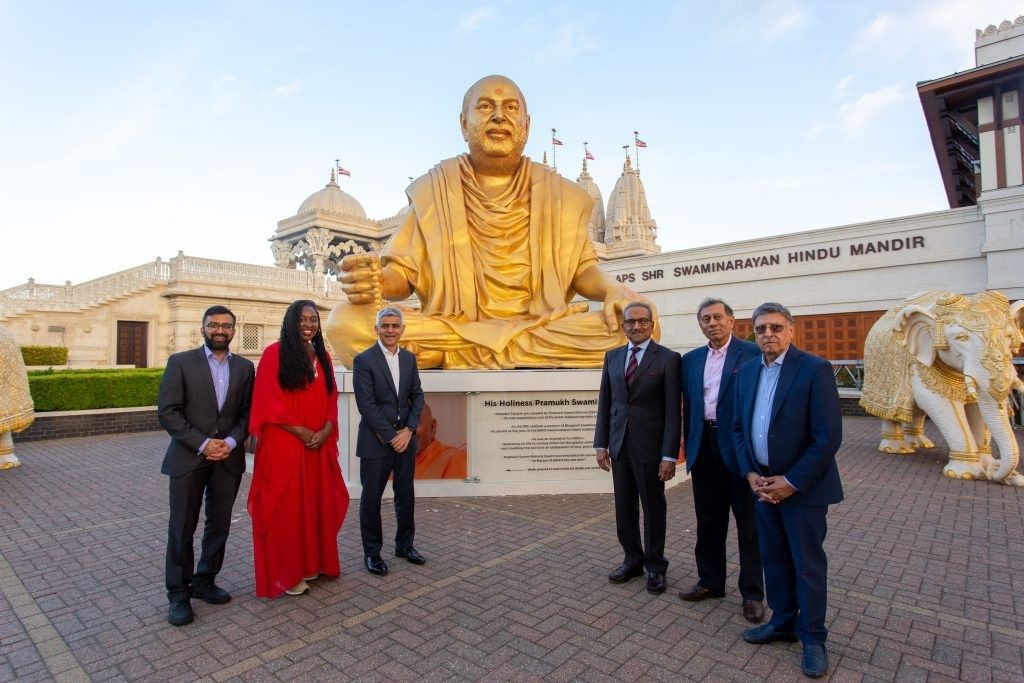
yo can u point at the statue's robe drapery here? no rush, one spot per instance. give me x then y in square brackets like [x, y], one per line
[494, 276]
[16, 408]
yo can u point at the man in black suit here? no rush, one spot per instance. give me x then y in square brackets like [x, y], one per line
[390, 400]
[637, 438]
[787, 428]
[708, 374]
[203, 404]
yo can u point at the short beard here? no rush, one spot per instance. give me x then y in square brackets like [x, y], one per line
[217, 345]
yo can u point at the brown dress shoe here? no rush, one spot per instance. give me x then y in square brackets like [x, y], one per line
[698, 593]
[753, 611]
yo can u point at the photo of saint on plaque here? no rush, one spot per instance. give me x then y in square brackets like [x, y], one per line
[441, 438]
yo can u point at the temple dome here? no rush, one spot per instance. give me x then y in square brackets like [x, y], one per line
[596, 226]
[629, 225]
[332, 200]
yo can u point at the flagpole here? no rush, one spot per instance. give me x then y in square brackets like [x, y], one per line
[636, 136]
[554, 154]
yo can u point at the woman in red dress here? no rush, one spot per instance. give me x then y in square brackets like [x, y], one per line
[298, 498]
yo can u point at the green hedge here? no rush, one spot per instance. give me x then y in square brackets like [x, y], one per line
[45, 355]
[90, 389]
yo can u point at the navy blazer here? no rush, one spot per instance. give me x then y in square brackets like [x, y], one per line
[383, 407]
[646, 411]
[738, 352]
[187, 409]
[805, 429]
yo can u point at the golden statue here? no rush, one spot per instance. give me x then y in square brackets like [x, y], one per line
[16, 409]
[495, 247]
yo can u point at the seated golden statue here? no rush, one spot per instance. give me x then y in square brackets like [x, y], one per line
[495, 247]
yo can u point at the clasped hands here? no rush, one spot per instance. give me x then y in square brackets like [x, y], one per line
[770, 489]
[216, 449]
[310, 439]
[401, 440]
[361, 278]
[666, 469]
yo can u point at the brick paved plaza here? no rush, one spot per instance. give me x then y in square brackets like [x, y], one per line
[926, 583]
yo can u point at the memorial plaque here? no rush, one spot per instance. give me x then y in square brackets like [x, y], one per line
[541, 436]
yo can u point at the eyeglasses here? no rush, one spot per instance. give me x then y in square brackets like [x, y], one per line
[777, 328]
[636, 322]
[227, 327]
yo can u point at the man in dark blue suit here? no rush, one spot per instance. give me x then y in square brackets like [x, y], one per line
[786, 431]
[708, 392]
[386, 384]
[637, 438]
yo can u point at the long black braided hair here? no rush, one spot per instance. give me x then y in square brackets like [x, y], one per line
[296, 370]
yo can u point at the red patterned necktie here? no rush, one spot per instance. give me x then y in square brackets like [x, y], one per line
[631, 367]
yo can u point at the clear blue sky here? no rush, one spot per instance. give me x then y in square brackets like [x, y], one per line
[130, 130]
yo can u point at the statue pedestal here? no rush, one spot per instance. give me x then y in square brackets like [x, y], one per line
[524, 432]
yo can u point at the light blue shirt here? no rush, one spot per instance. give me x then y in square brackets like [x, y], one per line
[220, 371]
[766, 386]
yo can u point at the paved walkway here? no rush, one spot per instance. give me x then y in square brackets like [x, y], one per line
[927, 583]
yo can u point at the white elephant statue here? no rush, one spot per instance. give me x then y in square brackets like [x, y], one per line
[949, 357]
[16, 409]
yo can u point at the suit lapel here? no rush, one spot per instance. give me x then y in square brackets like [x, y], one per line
[382, 363]
[203, 367]
[617, 371]
[645, 362]
[790, 368]
[403, 372]
[696, 371]
[732, 355]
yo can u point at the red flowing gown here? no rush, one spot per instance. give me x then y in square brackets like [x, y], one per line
[298, 498]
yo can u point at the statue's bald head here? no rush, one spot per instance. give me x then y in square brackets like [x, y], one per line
[495, 124]
[502, 84]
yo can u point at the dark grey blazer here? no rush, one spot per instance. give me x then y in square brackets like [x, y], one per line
[645, 412]
[384, 408]
[187, 409]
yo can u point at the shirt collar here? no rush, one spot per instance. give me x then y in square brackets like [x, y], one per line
[777, 361]
[209, 354]
[725, 346]
[643, 346]
[385, 350]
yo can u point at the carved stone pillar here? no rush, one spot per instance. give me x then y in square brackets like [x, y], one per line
[319, 245]
[283, 257]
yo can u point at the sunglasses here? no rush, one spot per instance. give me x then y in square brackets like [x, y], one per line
[777, 328]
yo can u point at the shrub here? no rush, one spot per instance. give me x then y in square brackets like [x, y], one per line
[91, 389]
[45, 355]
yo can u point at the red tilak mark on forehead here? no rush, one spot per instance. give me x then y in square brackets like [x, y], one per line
[499, 91]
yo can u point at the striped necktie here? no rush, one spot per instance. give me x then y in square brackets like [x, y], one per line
[631, 368]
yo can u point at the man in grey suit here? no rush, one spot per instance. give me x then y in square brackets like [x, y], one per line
[708, 388]
[388, 394]
[203, 404]
[637, 438]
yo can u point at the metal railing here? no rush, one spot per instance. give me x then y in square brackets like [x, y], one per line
[848, 373]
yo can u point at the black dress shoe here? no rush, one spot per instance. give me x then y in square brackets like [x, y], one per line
[753, 611]
[760, 635]
[815, 662]
[179, 613]
[624, 573]
[211, 593]
[375, 565]
[698, 593]
[410, 554]
[655, 583]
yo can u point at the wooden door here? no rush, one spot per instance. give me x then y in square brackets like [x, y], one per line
[131, 343]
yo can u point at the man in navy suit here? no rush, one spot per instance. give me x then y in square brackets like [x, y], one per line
[637, 438]
[786, 431]
[388, 394]
[708, 386]
[203, 403]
